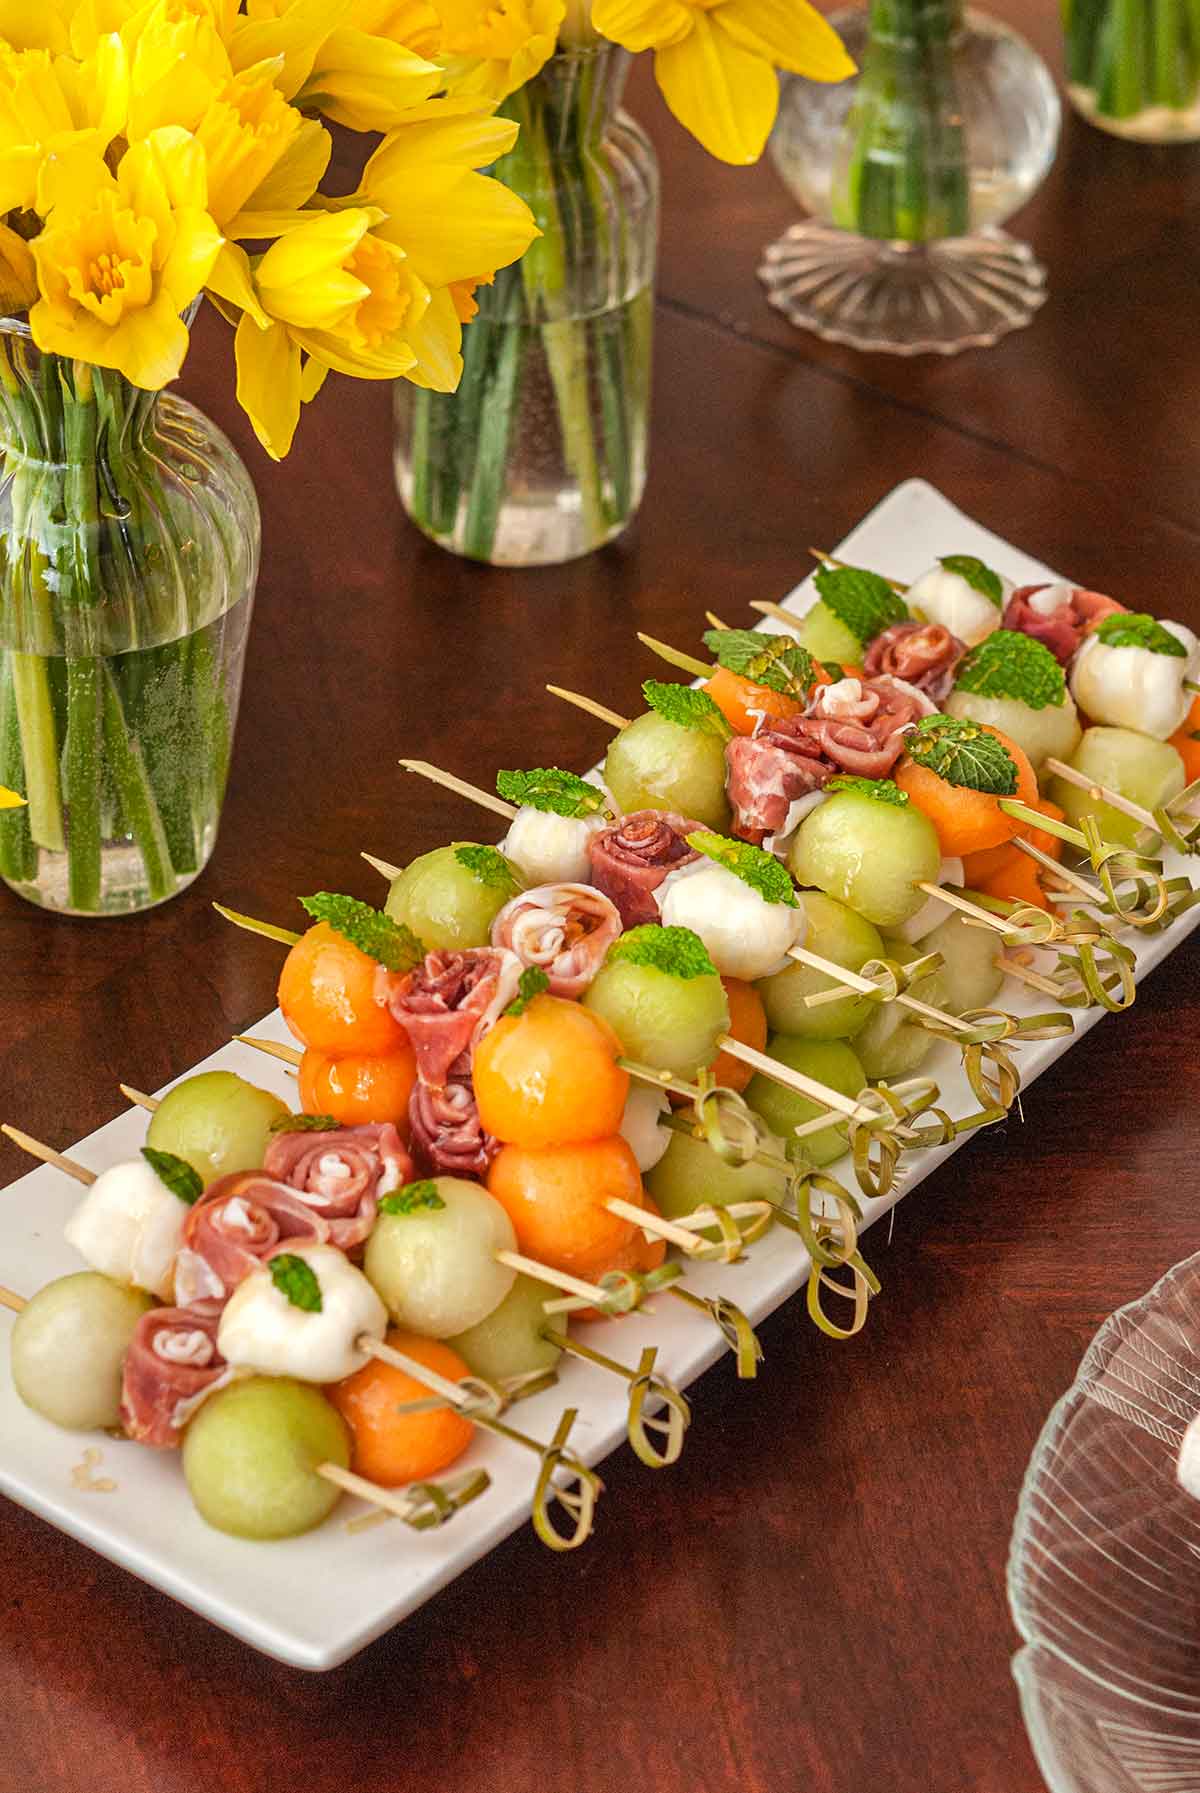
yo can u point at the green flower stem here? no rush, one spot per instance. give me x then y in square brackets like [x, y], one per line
[81, 756]
[135, 791]
[907, 178]
[18, 855]
[39, 751]
[488, 481]
[1133, 54]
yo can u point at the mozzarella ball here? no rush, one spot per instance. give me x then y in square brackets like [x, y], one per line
[129, 1226]
[640, 1128]
[940, 596]
[262, 1330]
[1133, 687]
[550, 849]
[933, 912]
[746, 936]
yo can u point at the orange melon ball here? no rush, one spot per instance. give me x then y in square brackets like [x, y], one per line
[736, 697]
[555, 1197]
[641, 1254]
[967, 821]
[748, 1025]
[327, 991]
[393, 1448]
[359, 1088]
[549, 1076]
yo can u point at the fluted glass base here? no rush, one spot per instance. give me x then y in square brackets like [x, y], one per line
[903, 298]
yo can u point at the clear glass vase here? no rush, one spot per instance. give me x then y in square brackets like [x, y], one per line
[1133, 67]
[540, 455]
[908, 171]
[129, 543]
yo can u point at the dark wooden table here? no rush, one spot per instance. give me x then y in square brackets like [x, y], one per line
[814, 1597]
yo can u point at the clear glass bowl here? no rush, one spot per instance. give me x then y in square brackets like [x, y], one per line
[1104, 1569]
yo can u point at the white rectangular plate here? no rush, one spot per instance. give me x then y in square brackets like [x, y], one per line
[356, 1586]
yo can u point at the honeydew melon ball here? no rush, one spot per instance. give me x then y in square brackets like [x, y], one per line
[1136, 766]
[657, 764]
[828, 1061]
[690, 1174]
[893, 1042]
[834, 932]
[1049, 733]
[827, 638]
[68, 1347]
[251, 1454]
[448, 905]
[869, 851]
[508, 1341]
[216, 1122]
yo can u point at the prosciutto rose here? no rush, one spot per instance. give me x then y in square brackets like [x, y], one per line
[172, 1364]
[341, 1175]
[450, 1002]
[447, 1138]
[241, 1220]
[565, 929]
[630, 861]
[924, 655]
[1059, 616]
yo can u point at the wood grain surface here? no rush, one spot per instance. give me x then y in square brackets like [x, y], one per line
[814, 1597]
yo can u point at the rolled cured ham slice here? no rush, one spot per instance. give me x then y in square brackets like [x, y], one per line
[630, 861]
[450, 1002]
[1059, 616]
[341, 1174]
[242, 1219]
[924, 655]
[766, 773]
[565, 929]
[172, 1364]
[447, 1138]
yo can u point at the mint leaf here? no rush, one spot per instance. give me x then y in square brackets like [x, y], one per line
[687, 707]
[413, 1198]
[304, 1123]
[370, 930]
[761, 871]
[1133, 628]
[297, 1280]
[978, 576]
[772, 660]
[964, 754]
[181, 1178]
[1007, 663]
[879, 790]
[548, 788]
[677, 951]
[531, 983]
[863, 601]
[489, 865]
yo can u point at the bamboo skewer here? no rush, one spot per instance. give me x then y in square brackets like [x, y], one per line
[590, 705]
[285, 1054]
[383, 866]
[853, 980]
[48, 1155]
[11, 1300]
[139, 1098]
[472, 792]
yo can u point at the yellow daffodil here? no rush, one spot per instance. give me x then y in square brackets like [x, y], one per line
[293, 29]
[259, 151]
[45, 26]
[50, 105]
[715, 60]
[178, 65]
[364, 81]
[413, 23]
[18, 274]
[329, 294]
[492, 47]
[122, 256]
[10, 799]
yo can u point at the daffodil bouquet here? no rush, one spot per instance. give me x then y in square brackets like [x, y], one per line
[540, 453]
[152, 152]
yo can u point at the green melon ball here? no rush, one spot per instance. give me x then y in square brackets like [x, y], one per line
[217, 1122]
[1049, 733]
[829, 1061]
[893, 1042]
[508, 1341]
[448, 906]
[834, 932]
[690, 1174]
[656, 764]
[971, 975]
[1137, 767]
[68, 1348]
[670, 1023]
[251, 1454]
[827, 638]
[869, 854]
[434, 1265]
